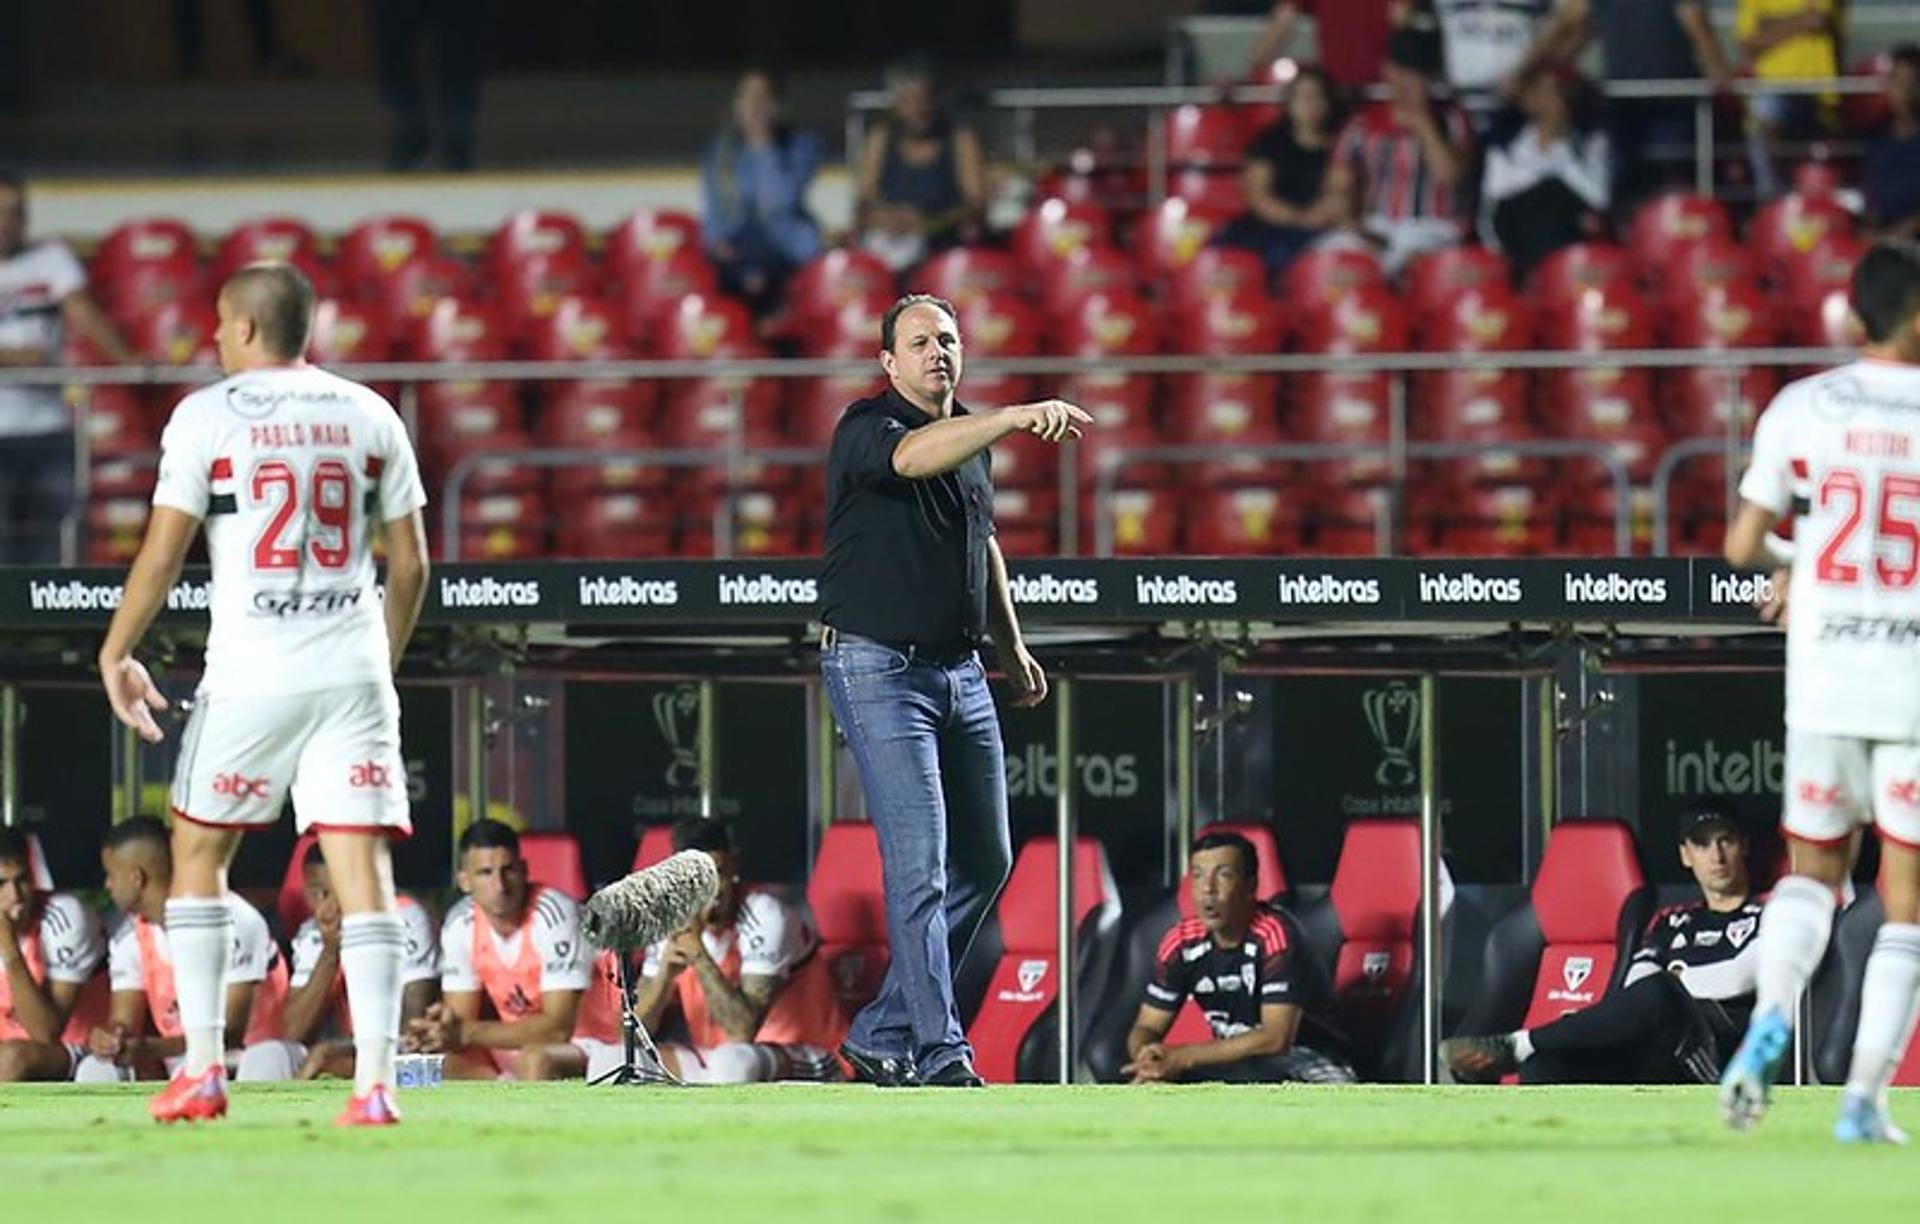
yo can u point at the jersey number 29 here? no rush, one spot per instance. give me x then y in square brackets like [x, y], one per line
[329, 503]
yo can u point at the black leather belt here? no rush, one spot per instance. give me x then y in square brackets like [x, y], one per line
[943, 655]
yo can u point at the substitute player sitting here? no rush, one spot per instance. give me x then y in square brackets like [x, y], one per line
[1241, 964]
[729, 979]
[294, 472]
[1841, 451]
[51, 995]
[142, 962]
[317, 1014]
[516, 973]
[1686, 998]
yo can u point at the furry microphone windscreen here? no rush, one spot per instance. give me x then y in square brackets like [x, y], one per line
[652, 903]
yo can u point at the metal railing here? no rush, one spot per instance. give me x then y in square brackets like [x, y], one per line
[1022, 105]
[737, 458]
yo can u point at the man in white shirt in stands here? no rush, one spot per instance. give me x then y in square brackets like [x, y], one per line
[43, 291]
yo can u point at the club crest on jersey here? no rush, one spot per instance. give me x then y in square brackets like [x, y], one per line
[1576, 971]
[1740, 930]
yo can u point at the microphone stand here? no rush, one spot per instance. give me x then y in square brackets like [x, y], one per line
[634, 1040]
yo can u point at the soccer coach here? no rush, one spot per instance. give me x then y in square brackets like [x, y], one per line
[913, 580]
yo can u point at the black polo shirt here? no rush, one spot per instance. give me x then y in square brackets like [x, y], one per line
[906, 560]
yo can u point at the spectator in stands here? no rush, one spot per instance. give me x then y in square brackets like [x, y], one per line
[454, 35]
[1352, 35]
[1547, 184]
[43, 291]
[1239, 963]
[1893, 164]
[922, 174]
[1402, 168]
[1787, 40]
[1486, 41]
[1684, 1003]
[1642, 40]
[1288, 201]
[138, 858]
[316, 991]
[50, 949]
[514, 950]
[728, 981]
[755, 182]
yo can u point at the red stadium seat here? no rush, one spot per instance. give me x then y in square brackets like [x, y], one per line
[1121, 403]
[1010, 1043]
[1787, 230]
[1829, 320]
[115, 526]
[814, 405]
[963, 273]
[535, 232]
[1027, 521]
[118, 423]
[1317, 277]
[832, 280]
[1090, 270]
[532, 285]
[999, 326]
[1701, 399]
[596, 414]
[1348, 522]
[1054, 229]
[139, 290]
[1243, 522]
[1216, 271]
[1868, 112]
[1227, 408]
[1604, 403]
[850, 329]
[1564, 948]
[131, 476]
[1435, 278]
[1210, 191]
[616, 525]
[372, 251]
[1482, 521]
[1172, 234]
[1563, 275]
[652, 289]
[1714, 262]
[1144, 522]
[577, 328]
[553, 860]
[176, 333]
[1349, 408]
[150, 240]
[1373, 909]
[345, 332]
[850, 912]
[1587, 514]
[279, 239]
[650, 235]
[503, 526]
[459, 329]
[1212, 136]
[1481, 405]
[1601, 318]
[420, 284]
[1669, 222]
[1828, 266]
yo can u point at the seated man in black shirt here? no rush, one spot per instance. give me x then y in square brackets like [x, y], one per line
[1684, 1003]
[1240, 962]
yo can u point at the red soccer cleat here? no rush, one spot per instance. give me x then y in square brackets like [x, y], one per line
[374, 1109]
[192, 1098]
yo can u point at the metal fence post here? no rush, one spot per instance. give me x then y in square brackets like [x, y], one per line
[707, 745]
[1430, 828]
[10, 755]
[1063, 816]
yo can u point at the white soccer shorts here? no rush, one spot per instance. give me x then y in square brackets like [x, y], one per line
[336, 750]
[1836, 784]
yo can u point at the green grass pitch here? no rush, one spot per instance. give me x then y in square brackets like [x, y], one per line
[491, 1153]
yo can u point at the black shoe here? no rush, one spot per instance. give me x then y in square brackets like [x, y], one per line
[1480, 1060]
[880, 1072]
[956, 1074]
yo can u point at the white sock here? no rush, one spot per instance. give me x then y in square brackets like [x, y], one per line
[200, 933]
[1523, 1045]
[1793, 937]
[371, 948]
[96, 1070]
[1889, 998]
[737, 1062]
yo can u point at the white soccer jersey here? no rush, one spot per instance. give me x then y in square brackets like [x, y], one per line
[1842, 451]
[33, 285]
[419, 963]
[290, 469]
[71, 944]
[248, 959]
[771, 939]
[564, 960]
[1486, 40]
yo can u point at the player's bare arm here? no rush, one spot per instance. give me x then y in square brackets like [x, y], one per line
[307, 1003]
[737, 1009]
[456, 1024]
[41, 1008]
[1279, 1024]
[407, 571]
[130, 690]
[1751, 544]
[1024, 672]
[1145, 1052]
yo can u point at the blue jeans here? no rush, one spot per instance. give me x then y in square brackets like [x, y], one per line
[926, 739]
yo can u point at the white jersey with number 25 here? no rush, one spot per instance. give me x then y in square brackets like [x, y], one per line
[291, 469]
[1842, 451]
